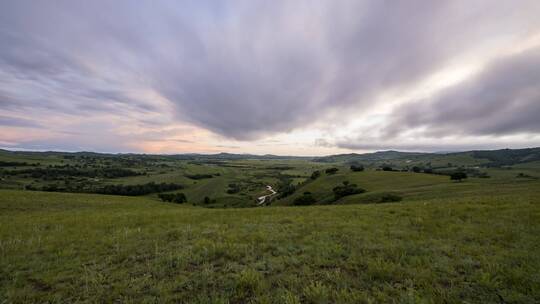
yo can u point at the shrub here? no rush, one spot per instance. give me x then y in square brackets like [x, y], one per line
[387, 168]
[177, 198]
[166, 197]
[199, 176]
[304, 200]
[390, 197]
[248, 283]
[458, 176]
[50, 188]
[208, 201]
[416, 169]
[316, 292]
[233, 188]
[180, 198]
[357, 168]
[29, 187]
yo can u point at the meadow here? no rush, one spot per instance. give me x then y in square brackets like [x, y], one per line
[474, 241]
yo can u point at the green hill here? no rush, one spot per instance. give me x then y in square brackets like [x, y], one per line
[482, 157]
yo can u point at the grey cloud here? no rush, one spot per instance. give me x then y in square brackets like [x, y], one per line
[242, 68]
[71, 145]
[8, 121]
[244, 85]
[503, 99]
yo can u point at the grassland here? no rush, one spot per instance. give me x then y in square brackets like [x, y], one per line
[58, 247]
[476, 241]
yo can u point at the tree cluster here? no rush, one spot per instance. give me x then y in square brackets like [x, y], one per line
[14, 164]
[199, 176]
[387, 168]
[141, 189]
[346, 189]
[177, 198]
[53, 173]
[331, 171]
[285, 187]
[357, 168]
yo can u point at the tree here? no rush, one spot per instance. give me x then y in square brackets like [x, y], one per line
[315, 174]
[458, 176]
[357, 168]
[331, 170]
[416, 169]
[206, 200]
[387, 168]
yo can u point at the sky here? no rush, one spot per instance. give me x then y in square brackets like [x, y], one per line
[269, 77]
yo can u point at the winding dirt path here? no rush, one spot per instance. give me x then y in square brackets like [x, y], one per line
[262, 199]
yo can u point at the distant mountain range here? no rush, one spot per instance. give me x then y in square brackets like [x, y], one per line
[485, 157]
[489, 157]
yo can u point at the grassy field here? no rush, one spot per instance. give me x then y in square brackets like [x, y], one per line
[415, 186]
[237, 182]
[58, 247]
[475, 241]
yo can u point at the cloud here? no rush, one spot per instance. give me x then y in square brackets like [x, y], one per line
[17, 122]
[503, 99]
[322, 142]
[246, 70]
[288, 66]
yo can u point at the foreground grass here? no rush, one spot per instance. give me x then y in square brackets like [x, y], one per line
[91, 248]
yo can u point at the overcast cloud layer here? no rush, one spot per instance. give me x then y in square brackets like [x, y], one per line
[169, 76]
[502, 99]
